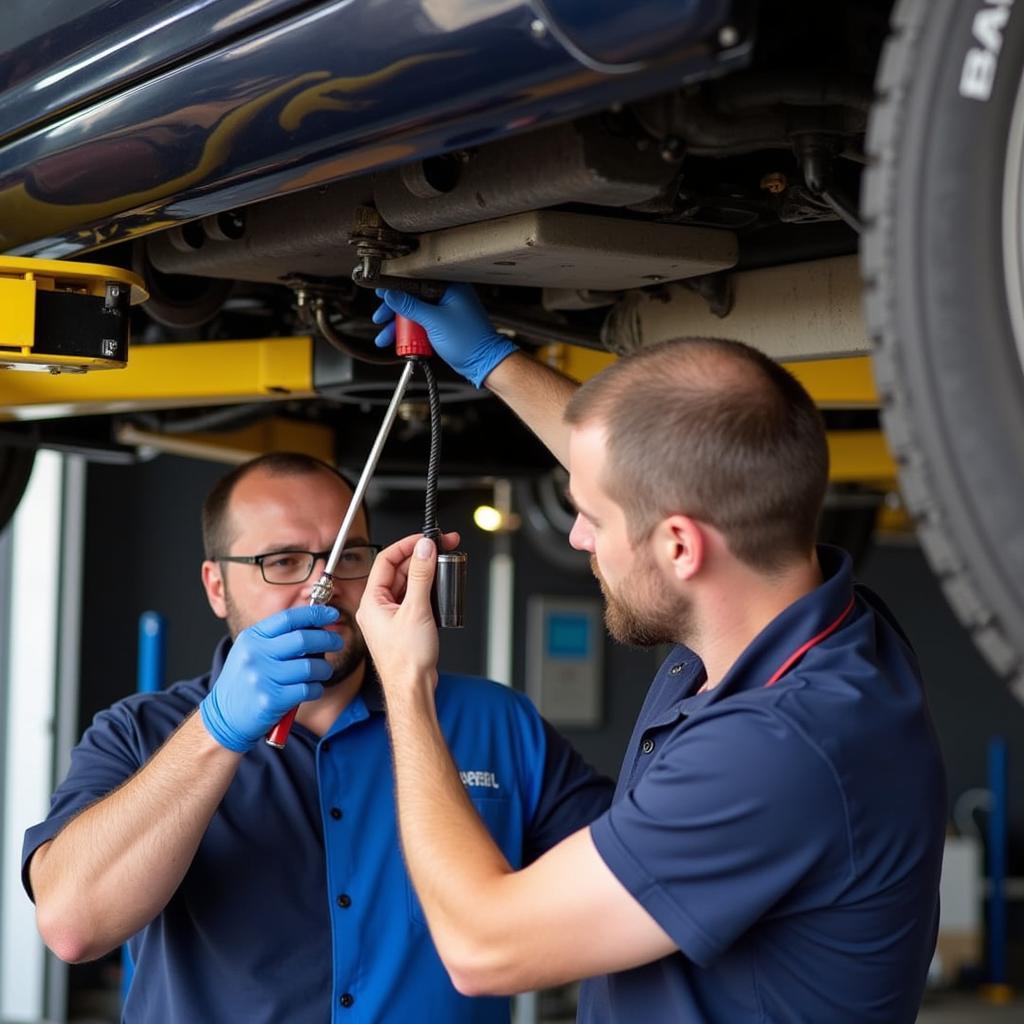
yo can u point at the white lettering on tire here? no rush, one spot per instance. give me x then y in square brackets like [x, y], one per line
[982, 61]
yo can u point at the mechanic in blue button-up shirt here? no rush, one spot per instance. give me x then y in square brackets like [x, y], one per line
[262, 885]
[773, 849]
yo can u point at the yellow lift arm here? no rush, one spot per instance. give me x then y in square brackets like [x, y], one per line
[170, 376]
[174, 376]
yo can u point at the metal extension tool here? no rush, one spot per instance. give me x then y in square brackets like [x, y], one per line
[411, 343]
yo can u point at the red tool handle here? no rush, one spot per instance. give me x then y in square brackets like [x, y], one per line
[410, 338]
[278, 736]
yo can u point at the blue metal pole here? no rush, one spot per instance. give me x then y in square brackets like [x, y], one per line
[149, 679]
[997, 860]
[151, 652]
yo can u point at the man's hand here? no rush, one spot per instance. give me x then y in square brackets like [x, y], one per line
[272, 667]
[395, 615]
[457, 326]
[466, 340]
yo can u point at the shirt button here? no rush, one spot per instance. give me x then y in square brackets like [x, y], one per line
[648, 746]
[325, 746]
[676, 669]
[346, 999]
[344, 901]
[336, 813]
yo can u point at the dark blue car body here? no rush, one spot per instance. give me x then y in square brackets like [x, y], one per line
[120, 117]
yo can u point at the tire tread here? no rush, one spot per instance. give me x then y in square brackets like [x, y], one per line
[877, 260]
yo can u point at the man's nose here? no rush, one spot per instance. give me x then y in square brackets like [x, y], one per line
[581, 537]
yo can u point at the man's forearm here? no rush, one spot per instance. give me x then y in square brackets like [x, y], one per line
[453, 861]
[113, 868]
[538, 395]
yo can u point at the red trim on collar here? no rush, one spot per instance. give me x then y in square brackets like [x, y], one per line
[813, 642]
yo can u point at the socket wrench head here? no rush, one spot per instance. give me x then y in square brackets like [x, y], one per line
[322, 590]
[449, 592]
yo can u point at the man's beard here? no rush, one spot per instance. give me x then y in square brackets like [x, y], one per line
[344, 662]
[639, 613]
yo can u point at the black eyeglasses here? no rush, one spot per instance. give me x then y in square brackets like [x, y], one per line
[289, 567]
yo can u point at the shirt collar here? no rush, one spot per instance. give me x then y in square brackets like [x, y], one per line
[803, 620]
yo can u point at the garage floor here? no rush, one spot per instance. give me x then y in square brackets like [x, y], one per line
[953, 1009]
[969, 1010]
[938, 1009]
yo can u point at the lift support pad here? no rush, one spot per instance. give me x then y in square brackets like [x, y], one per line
[65, 317]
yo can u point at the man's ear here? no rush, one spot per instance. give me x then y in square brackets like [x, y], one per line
[680, 546]
[213, 584]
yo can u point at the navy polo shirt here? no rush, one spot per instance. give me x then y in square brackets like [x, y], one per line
[297, 906]
[788, 838]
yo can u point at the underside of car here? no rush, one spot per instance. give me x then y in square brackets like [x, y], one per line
[586, 232]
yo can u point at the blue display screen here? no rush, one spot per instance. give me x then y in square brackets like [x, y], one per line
[568, 635]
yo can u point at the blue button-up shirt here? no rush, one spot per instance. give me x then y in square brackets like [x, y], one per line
[297, 907]
[787, 837]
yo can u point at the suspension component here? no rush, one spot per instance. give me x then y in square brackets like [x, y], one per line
[375, 242]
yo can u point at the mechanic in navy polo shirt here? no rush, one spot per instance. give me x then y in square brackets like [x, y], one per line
[260, 885]
[773, 847]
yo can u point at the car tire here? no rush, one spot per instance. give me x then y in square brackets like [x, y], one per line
[547, 519]
[15, 470]
[941, 258]
[849, 520]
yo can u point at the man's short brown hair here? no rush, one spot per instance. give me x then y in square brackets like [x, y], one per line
[715, 430]
[215, 508]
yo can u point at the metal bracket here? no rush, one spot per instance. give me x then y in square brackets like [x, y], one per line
[375, 242]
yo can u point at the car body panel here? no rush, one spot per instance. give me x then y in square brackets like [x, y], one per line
[60, 56]
[615, 33]
[339, 89]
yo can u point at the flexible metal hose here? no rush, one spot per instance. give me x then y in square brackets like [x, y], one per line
[431, 528]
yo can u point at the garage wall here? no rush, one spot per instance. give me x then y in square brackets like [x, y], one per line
[143, 551]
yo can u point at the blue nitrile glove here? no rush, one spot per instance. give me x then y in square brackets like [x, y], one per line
[457, 326]
[272, 667]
